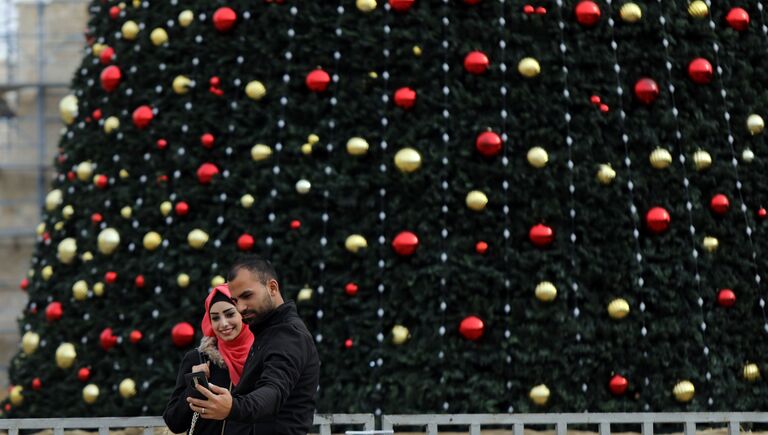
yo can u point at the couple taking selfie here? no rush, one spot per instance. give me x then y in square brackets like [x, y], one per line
[256, 370]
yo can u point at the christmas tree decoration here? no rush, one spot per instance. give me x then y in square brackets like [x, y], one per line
[481, 247]
[587, 13]
[365, 5]
[348, 343]
[355, 243]
[135, 336]
[400, 334]
[488, 143]
[126, 212]
[255, 90]
[305, 294]
[539, 395]
[110, 78]
[152, 241]
[53, 311]
[84, 171]
[401, 5]
[476, 62]
[762, 213]
[546, 291]
[206, 172]
[529, 67]
[684, 391]
[182, 208]
[646, 90]
[541, 235]
[247, 200]
[107, 55]
[67, 250]
[197, 238]
[303, 186]
[657, 220]
[84, 374]
[476, 200]
[68, 109]
[37, 384]
[207, 140]
[80, 290]
[747, 156]
[405, 243]
[65, 355]
[127, 388]
[101, 181]
[318, 80]
[182, 280]
[158, 36]
[660, 158]
[630, 12]
[181, 84]
[86, 257]
[702, 160]
[710, 243]
[24, 284]
[53, 200]
[182, 334]
[529, 9]
[417, 50]
[29, 342]
[67, 212]
[700, 71]
[245, 242]
[618, 385]
[130, 30]
[295, 224]
[260, 152]
[755, 124]
[405, 98]
[537, 157]
[719, 204]
[738, 19]
[351, 289]
[16, 396]
[408, 160]
[165, 208]
[224, 19]
[472, 328]
[751, 372]
[357, 146]
[90, 394]
[698, 9]
[139, 281]
[186, 17]
[111, 124]
[107, 340]
[47, 272]
[618, 309]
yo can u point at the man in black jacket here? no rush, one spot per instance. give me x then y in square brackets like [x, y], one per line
[277, 388]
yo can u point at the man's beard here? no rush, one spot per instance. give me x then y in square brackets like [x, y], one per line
[258, 316]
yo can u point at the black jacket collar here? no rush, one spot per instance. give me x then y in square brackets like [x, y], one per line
[278, 315]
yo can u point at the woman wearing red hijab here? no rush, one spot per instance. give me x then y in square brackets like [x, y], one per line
[221, 356]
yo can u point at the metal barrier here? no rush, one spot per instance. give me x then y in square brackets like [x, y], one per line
[325, 421]
[561, 421]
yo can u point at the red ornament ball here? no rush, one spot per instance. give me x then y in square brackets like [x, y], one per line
[206, 172]
[37, 384]
[472, 328]
[528, 9]
[182, 334]
[102, 181]
[107, 55]
[207, 140]
[245, 242]
[405, 98]
[401, 5]
[595, 99]
[405, 243]
[719, 204]
[657, 219]
[700, 71]
[318, 80]
[604, 108]
[114, 12]
[762, 213]
[481, 247]
[135, 336]
[541, 235]
[224, 19]
[541, 10]
[142, 116]
[348, 343]
[139, 281]
[84, 374]
[738, 19]
[214, 81]
[182, 208]
[476, 62]
[96, 114]
[53, 311]
[107, 340]
[110, 78]
[351, 289]
[24, 284]
[726, 298]
[618, 385]
[587, 13]
[162, 144]
[488, 143]
[646, 90]
[295, 224]
[110, 277]
[96, 218]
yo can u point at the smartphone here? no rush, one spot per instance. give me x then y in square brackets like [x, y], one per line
[195, 379]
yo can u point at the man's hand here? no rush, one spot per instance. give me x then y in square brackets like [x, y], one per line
[218, 405]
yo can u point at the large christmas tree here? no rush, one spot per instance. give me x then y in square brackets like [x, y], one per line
[479, 205]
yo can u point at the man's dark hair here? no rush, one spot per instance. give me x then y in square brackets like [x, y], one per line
[261, 267]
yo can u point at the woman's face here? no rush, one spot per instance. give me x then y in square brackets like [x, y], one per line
[226, 321]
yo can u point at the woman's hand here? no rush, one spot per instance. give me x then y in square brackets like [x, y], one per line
[202, 368]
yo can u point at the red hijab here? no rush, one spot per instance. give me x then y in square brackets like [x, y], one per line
[234, 352]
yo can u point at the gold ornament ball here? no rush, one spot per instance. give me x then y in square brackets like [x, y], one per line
[305, 294]
[87, 256]
[217, 281]
[84, 171]
[630, 13]
[181, 84]
[97, 49]
[29, 342]
[58, 226]
[529, 67]
[67, 250]
[165, 208]
[539, 395]
[40, 230]
[90, 394]
[127, 388]
[618, 309]
[53, 200]
[186, 17]
[751, 372]
[152, 241]
[365, 5]
[476, 200]
[747, 156]
[684, 391]
[400, 334]
[197, 238]
[182, 280]
[159, 36]
[546, 291]
[260, 152]
[108, 241]
[417, 50]
[698, 9]
[373, 74]
[313, 138]
[755, 124]
[123, 174]
[47, 272]
[710, 243]
[15, 395]
[702, 160]
[303, 186]
[355, 243]
[126, 212]
[408, 160]
[247, 200]
[65, 355]
[80, 290]
[68, 109]
[255, 90]
[130, 30]
[661, 158]
[67, 212]
[111, 124]
[605, 174]
[537, 157]
[98, 289]
[306, 149]
[357, 146]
